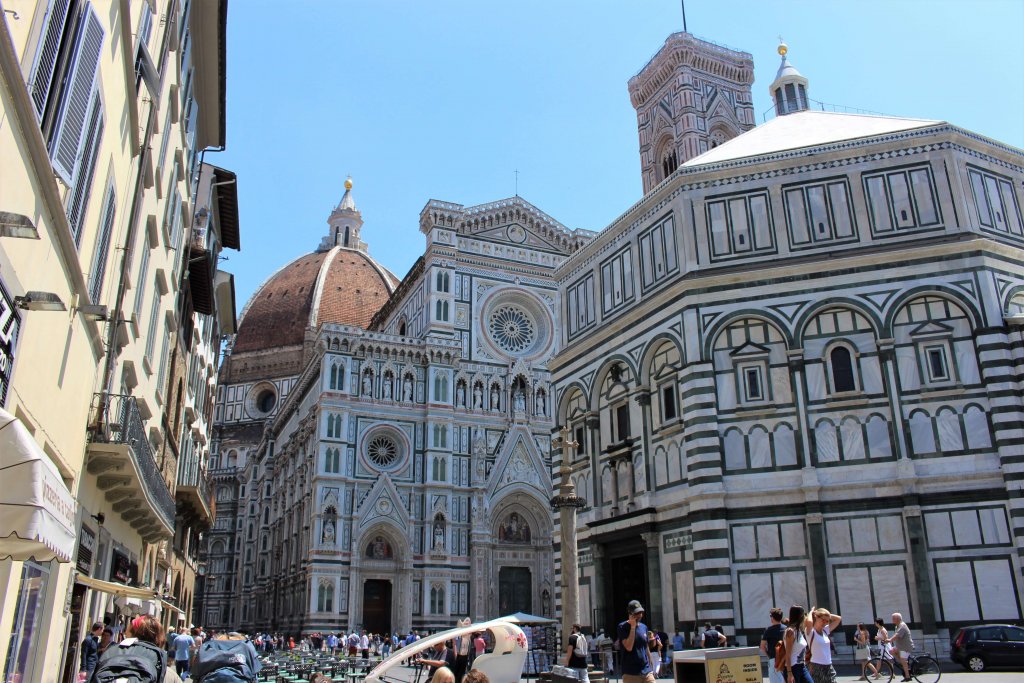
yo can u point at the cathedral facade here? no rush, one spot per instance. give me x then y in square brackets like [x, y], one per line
[384, 445]
[794, 372]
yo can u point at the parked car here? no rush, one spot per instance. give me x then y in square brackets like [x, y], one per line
[976, 648]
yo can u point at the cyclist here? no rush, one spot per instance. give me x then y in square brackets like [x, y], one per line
[903, 643]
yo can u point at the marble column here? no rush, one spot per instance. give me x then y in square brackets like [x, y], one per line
[922, 587]
[653, 552]
[567, 503]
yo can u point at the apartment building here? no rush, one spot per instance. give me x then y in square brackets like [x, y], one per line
[109, 234]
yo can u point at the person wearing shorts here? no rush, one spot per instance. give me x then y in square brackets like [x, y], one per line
[902, 644]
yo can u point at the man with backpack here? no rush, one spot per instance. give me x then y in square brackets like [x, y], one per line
[712, 638]
[769, 639]
[139, 658]
[576, 653]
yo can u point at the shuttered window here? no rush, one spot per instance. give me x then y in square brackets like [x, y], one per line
[85, 167]
[140, 281]
[99, 265]
[68, 143]
[154, 317]
[52, 38]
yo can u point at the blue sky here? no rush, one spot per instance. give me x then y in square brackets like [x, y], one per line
[447, 99]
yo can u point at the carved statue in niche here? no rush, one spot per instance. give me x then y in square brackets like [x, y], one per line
[438, 534]
[495, 398]
[367, 384]
[407, 389]
[387, 387]
[540, 408]
[520, 401]
[329, 534]
[460, 395]
[478, 396]
[379, 549]
[514, 529]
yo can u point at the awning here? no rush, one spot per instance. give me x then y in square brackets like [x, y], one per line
[224, 294]
[116, 588]
[168, 606]
[37, 512]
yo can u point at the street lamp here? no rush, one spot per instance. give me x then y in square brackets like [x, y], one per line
[567, 502]
[40, 301]
[17, 225]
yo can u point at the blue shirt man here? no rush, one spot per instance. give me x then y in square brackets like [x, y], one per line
[182, 651]
[636, 664]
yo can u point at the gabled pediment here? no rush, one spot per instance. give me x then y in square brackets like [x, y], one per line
[519, 465]
[382, 500]
[931, 328]
[662, 124]
[513, 220]
[516, 234]
[750, 349]
[722, 109]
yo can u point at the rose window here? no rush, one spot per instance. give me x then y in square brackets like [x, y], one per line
[512, 329]
[382, 451]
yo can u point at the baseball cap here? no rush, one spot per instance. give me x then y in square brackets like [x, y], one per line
[635, 606]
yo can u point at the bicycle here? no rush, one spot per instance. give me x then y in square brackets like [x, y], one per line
[923, 668]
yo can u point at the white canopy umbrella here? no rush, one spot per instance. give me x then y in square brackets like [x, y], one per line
[37, 512]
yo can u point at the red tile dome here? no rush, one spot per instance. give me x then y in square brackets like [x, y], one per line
[339, 285]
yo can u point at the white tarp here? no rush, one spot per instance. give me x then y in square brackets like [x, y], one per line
[37, 512]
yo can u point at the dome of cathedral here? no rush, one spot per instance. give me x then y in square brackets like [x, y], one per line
[339, 283]
[344, 286]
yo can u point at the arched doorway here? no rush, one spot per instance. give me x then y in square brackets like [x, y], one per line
[519, 556]
[380, 582]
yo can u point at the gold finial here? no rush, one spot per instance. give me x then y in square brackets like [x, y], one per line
[783, 48]
[348, 183]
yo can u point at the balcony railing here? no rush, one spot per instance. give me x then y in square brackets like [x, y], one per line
[194, 484]
[117, 422]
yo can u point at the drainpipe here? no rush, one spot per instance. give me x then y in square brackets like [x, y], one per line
[114, 319]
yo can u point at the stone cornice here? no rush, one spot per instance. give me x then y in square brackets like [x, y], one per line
[685, 49]
[468, 220]
[704, 176]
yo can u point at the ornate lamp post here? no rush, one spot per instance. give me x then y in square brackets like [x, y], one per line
[567, 502]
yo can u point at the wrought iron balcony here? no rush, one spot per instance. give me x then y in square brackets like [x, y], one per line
[120, 457]
[194, 493]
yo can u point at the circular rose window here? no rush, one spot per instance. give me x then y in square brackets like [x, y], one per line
[382, 451]
[512, 329]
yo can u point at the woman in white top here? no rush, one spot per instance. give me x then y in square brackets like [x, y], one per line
[819, 641]
[881, 635]
[796, 642]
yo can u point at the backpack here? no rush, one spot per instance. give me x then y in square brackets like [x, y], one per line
[581, 645]
[226, 661]
[780, 654]
[711, 638]
[130, 661]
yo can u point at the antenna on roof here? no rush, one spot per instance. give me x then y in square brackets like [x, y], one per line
[683, 3]
[517, 181]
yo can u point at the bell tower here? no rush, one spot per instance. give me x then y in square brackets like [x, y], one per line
[693, 95]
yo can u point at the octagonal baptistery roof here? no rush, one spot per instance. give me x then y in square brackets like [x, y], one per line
[338, 283]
